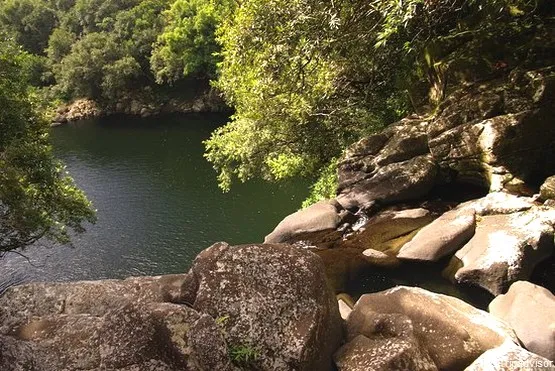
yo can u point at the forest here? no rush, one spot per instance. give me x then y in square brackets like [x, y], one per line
[305, 78]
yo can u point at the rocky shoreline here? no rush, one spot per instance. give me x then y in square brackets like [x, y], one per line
[141, 105]
[468, 191]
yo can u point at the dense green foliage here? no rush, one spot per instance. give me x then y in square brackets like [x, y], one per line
[37, 198]
[98, 49]
[187, 45]
[307, 77]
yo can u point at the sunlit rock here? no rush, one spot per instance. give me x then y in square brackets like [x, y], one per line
[414, 329]
[530, 310]
[504, 249]
[510, 356]
[442, 237]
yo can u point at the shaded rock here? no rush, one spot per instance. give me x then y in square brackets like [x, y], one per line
[343, 266]
[128, 335]
[21, 303]
[209, 349]
[510, 357]
[389, 230]
[547, 190]
[381, 354]
[398, 181]
[530, 310]
[480, 134]
[442, 237]
[504, 249]
[445, 329]
[275, 300]
[324, 216]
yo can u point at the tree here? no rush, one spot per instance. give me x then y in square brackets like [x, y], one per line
[29, 21]
[37, 198]
[81, 72]
[308, 78]
[187, 46]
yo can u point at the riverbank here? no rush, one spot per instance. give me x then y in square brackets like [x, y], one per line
[143, 104]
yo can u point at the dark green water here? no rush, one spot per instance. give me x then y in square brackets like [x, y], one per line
[157, 199]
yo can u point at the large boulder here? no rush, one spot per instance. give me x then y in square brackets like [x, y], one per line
[409, 324]
[442, 237]
[505, 248]
[255, 306]
[390, 166]
[112, 325]
[272, 302]
[510, 357]
[530, 310]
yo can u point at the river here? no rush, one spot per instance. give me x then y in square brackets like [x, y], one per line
[157, 199]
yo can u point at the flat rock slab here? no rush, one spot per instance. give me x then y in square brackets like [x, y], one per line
[500, 203]
[446, 330]
[504, 249]
[442, 237]
[530, 310]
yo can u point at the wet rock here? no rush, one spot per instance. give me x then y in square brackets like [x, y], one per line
[504, 249]
[530, 310]
[442, 237]
[547, 190]
[510, 357]
[275, 301]
[446, 330]
[307, 224]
